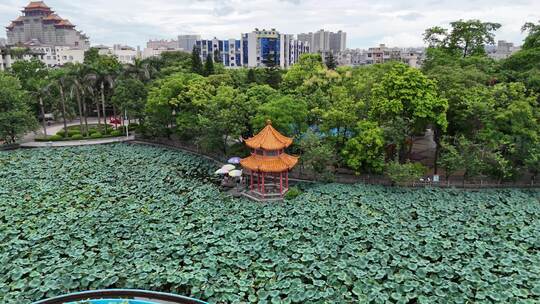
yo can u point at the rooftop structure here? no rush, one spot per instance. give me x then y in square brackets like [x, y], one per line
[268, 165]
[41, 24]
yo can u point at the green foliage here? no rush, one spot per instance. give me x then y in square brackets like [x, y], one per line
[208, 65]
[77, 137]
[317, 156]
[532, 40]
[70, 223]
[70, 132]
[330, 62]
[293, 193]
[308, 65]
[466, 38]
[130, 96]
[91, 56]
[15, 116]
[196, 62]
[365, 150]
[403, 174]
[287, 115]
[96, 135]
[450, 160]
[116, 133]
[55, 137]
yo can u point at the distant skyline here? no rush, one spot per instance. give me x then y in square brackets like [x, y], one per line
[367, 23]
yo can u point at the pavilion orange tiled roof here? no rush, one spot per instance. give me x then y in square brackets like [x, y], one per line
[268, 139]
[272, 164]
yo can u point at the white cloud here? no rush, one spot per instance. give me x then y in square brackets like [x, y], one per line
[367, 23]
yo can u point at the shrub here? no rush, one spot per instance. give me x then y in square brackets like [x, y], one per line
[402, 174]
[70, 132]
[96, 135]
[77, 137]
[293, 193]
[116, 133]
[55, 138]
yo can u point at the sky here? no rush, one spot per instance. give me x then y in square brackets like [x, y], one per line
[367, 23]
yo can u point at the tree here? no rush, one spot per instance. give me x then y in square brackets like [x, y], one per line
[251, 76]
[317, 156]
[331, 62]
[130, 97]
[223, 118]
[103, 75]
[62, 81]
[532, 40]
[307, 66]
[466, 38]
[78, 74]
[140, 70]
[402, 174]
[15, 116]
[91, 56]
[450, 160]
[365, 150]
[287, 115]
[196, 63]
[405, 93]
[217, 56]
[208, 66]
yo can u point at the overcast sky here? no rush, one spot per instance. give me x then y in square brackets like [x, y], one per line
[367, 23]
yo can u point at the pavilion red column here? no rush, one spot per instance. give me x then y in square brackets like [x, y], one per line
[287, 180]
[280, 183]
[251, 180]
[259, 181]
[263, 182]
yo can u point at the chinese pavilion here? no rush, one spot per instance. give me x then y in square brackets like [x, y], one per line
[268, 165]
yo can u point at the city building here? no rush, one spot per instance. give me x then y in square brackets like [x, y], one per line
[263, 47]
[162, 44]
[40, 23]
[123, 53]
[155, 48]
[503, 50]
[3, 42]
[325, 41]
[228, 52]
[5, 58]
[255, 49]
[41, 33]
[187, 42]
[381, 54]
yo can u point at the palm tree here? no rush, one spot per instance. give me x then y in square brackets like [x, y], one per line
[77, 73]
[62, 82]
[103, 75]
[40, 89]
[139, 69]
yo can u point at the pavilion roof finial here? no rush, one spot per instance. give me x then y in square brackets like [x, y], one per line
[268, 122]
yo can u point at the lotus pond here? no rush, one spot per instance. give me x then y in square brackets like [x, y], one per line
[129, 216]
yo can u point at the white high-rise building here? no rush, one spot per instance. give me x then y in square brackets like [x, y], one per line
[325, 41]
[262, 47]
